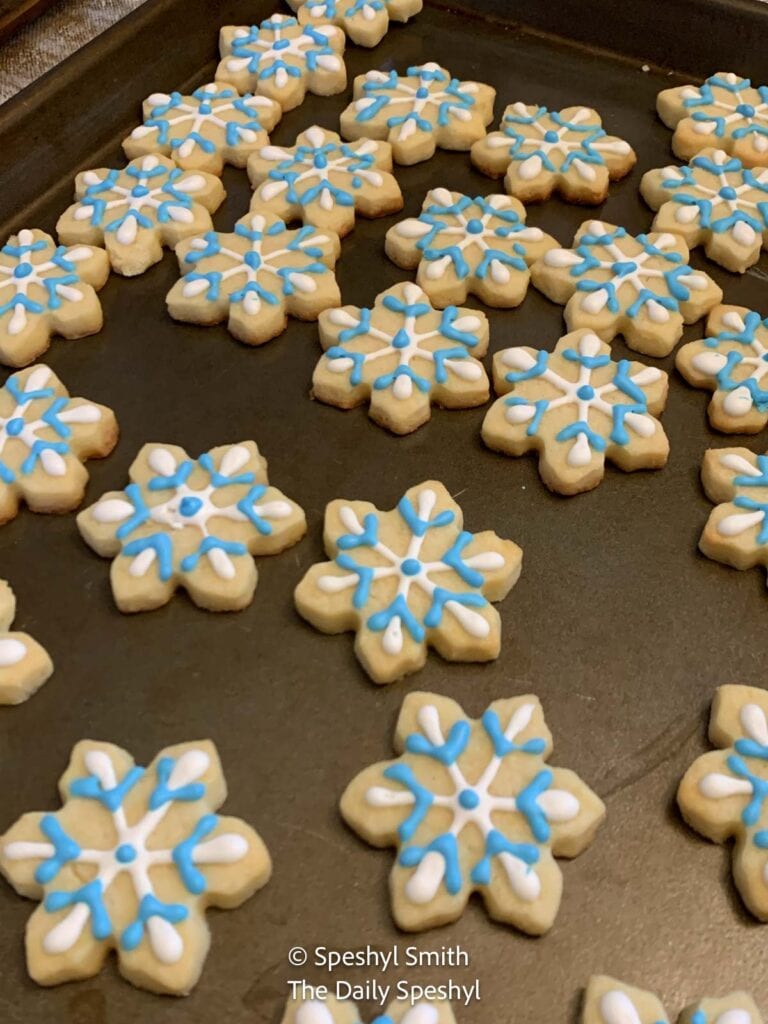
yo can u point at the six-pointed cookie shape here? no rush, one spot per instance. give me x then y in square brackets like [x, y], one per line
[202, 132]
[716, 202]
[576, 407]
[256, 277]
[324, 182]
[24, 664]
[723, 794]
[45, 437]
[283, 60]
[191, 523]
[130, 863]
[402, 357]
[409, 579]
[134, 212]
[343, 1011]
[366, 22]
[732, 362]
[461, 246]
[737, 529]
[472, 806]
[47, 289]
[616, 283]
[419, 111]
[608, 1001]
[542, 151]
[726, 111]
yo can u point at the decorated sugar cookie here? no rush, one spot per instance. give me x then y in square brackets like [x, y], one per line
[344, 1011]
[543, 151]
[723, 793]
[45, 437]
[472, 806]
[418, 112]
[24, 664]
[255, 277]
[715, 201]
[47, 289]
[732, 362]
[283, 60]
[324, 182]
[409, 579]
[402, 357]
[134, 212]
[202, 132]
[638, 286]
[461, 246]
[366, 22]
[576, 407]
[130, 863]
[726, 111]
[737, 529]
[608, 1001]
[191, 523]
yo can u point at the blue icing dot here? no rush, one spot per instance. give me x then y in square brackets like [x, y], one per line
[411, 566]
[469, 799]
[765, 357]
[125, 853]
[280, 44]
[623, 267]
[586, 392]
[551, 136]
[252, 260]
[746, 110]
[139, 191]
[726, 192]
[474, 226]
[190, 506]
[205, 108]
[422, 93]
[401, 339]
[320, 161]
[14, 427]
[22, 270]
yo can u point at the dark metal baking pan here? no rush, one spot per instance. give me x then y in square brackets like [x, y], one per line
[617, 623]
[16, 13]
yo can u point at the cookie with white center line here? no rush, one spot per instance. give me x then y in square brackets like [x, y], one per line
[366, 22]
[325, 182]
[542, 151]
[461, 246]
[24, 664]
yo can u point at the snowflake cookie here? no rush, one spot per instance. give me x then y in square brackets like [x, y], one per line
[130, 863]
[461, 246]
[489, 774]
[732, 362]
[256, 277]
[418, 112]
[366, 22]
[723, 793]
[202, 132]
[191, 523]
[47, 289]
[408, 579]
[324, 182]
[737, 529]
[402, 356]
[714, 201]
[576, 407]
[283, 60]
[134, 212]
[343, 1011]
[638, 286]
[45, 436]
[544, 151]
[24, 664]
[608, 1001]
[726, 110]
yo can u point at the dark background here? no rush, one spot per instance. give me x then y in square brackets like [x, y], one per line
[617, 623]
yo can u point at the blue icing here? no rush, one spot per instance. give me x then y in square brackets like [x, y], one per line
[162, 794]
[92, 895]
[447, 846]
[262, 61]
[183, 855]
[163, 184]
[292, 170]
[751, 813]
[46, 270]
[449, 752]
[151, 906]
[746, 111]
[684, 190]
[65, 850]
[496, 843]
[449, 98]
[90, 788]
[501, 745]
[202, 103]
[422, 798]
[523, 147]
[749, 346]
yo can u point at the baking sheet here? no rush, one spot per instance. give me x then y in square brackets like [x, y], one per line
[617, 623]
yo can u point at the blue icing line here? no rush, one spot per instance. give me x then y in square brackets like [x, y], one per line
[161, 794]
[422, 798]
[149, 907]
[183, 855]
[521, 148]
[242, 48]
[447, 846]
[447, 753]
[751, 813]
[92, 894]
[501, 745]
[65, 850]
[231, 547]
[496, 843]
[90, 788]
[377, 91]
[527, 804]
[397, 609]
[161, 544]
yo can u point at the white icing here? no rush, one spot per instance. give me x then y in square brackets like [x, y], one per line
[617, 1008]
[12, 651]
[313, 1012]
[294, 44]
[716, 786]
[40, 270]
[752, 719]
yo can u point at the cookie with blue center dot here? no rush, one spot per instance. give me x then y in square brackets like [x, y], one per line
[331, 1010]
[608, 1001]
[366, 22]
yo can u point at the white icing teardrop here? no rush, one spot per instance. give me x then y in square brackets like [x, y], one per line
[584, 170]
[127, 232]
[738, 402]
[413, 228]
[643, 425]
[412, 293]
[648, 375]
[140, 564]
[99, 763]
[709, 363]
[271, 189]
[466, 369]
[617, 1008]
[38, 378]
[518, 358]
[112, 510]
[78, 253]
[426, 1013]
[402, 387]
[467, 324]
[189, 768]
[315, 136]
[161, 461]
[190, 183]
[559, 805]
[423, 884]
[594, 302]
[441, 196]
[499, 272]
[180, 214]
[733, 526]
[520, 413]
[313, 1012]
[520, 720]
[485, 561]
[530, 168]
[738, 464]
[437, 268]
[472, 622]
[733, 320]
[304, 283]
[26, 237]
[340, 365]
[657, 313]
[580, 454]
[743, 234]
[274, 510]
[686, 214]
[760, 143]
[159, 99]
[225, 849]
[12, 651]
[392, 639]
[53, 464]
[589, 345]
[719, 787]
[736, 1015]
[326, 200]
[18, 320]
[350, 521]
[221, 564]
[65, 934]
[165, 940]
[342, 318]
[149, 163]
[196, 287]
[81, 414]
[329, 63]
[251, 303]
[752, 719]
[523, 879]
[234, 459]
[696, 281]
